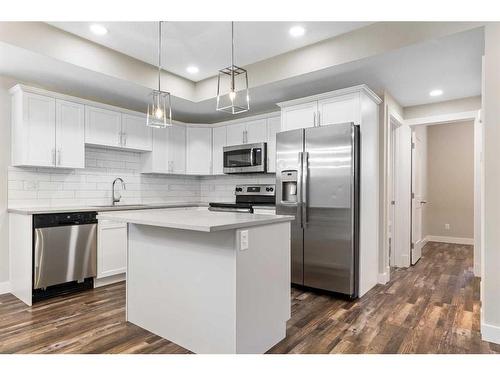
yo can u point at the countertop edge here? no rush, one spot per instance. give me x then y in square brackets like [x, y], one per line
[49, 210]
[197, 228]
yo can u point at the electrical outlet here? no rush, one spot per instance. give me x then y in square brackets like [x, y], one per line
[447, 226]
[244, 240]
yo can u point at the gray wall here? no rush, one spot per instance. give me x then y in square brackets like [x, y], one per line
[450, 180]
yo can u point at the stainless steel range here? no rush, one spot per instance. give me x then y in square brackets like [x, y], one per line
[248, 196]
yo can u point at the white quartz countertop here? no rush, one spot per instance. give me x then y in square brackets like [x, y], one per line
[193, 218]
[118, 207]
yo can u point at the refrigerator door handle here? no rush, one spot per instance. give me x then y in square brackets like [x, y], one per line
[305, 172]
[299, 188]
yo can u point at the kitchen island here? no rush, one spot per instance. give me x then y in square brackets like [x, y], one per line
[212, 282]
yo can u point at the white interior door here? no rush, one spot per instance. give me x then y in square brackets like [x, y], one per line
[417, 198]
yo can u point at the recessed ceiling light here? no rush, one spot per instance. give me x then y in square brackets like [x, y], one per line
[192, 69]
[436, 93]
[98, 29]
[297, 31]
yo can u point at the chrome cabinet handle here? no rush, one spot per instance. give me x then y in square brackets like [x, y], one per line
[124, 139]
[314, 119]
[120, 139]
[59, 157]
[319, 118]
[53, 156]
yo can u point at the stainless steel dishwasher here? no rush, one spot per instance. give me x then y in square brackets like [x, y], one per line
[64, 253]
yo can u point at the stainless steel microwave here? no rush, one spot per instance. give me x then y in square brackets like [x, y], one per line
[247, 158]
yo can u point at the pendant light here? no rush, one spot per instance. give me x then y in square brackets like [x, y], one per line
[232, 86]
[159, 109]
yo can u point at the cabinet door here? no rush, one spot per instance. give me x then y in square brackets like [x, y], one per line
[70, 134]
[156, 161]
[273, 127]
[111, 248]
[39, 124]
[136, 135]
[299, 116]
[199, 151]
[256, 131]
[176, 158]
[236, 134]
[339, 109]
[218, 143]
[102, 127]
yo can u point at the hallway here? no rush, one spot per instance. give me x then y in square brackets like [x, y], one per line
[432, 307]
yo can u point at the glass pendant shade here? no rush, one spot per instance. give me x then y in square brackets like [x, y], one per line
[232, 90]
[159, 110]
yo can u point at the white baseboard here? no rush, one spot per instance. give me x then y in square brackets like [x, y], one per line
[490, 333]
[109, 280]
[455, 240]
[4, 287]
[383, 278]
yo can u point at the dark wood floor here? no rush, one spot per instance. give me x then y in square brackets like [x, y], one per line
[430, 308]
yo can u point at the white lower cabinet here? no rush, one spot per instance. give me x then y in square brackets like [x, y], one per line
[111, 248]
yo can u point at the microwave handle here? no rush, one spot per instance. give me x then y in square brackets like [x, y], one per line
[252, 159]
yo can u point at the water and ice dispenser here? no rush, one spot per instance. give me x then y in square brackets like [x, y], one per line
[289, 186]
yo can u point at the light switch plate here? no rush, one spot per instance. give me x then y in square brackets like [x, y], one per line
[244, 240]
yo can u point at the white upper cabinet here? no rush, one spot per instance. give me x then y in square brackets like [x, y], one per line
[218, 143]
[33, 130]
[339, 109]
[256, 131]
[273, 127]
[46, 132]
[168, 151]
[176, 154]
[299, 116]
[199, 151]
[236, 134]
[70, 134]
[103, 127]
[325, 109]
[135, 134]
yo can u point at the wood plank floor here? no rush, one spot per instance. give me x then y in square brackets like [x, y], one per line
[430, 308]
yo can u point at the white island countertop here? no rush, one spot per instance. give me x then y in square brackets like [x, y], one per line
[193, 218]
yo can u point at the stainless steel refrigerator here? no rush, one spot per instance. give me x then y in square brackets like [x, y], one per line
[317, 180]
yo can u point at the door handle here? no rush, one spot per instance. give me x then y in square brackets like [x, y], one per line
[305, 172]
[252, 158]
[314, 119]
[299, 188]
[59, 157]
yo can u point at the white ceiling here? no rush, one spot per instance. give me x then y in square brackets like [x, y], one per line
[206, 44]
[452, 64]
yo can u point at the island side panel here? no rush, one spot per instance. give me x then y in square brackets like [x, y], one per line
[262, 287]
[181, 286]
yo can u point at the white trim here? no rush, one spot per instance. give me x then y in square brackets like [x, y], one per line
[490, 333]
[5, 287]
[455, 240]
[442, 119]
[326, 95]
[109, 280]
[384, 278]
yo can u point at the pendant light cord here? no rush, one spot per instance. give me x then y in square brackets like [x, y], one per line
[159, 56]
[232, 56]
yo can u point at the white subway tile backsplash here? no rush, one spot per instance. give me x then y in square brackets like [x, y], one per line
[41, 187]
